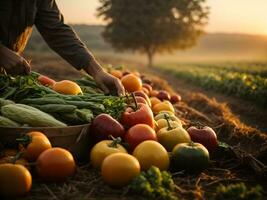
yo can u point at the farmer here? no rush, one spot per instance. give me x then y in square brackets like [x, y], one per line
[17, 18]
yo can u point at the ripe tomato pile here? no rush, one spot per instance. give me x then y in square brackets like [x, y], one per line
[148, 134]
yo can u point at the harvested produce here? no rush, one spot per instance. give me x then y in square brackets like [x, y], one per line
[139, 114]
[205, 136]
[143, 95]
[104, 125]
[172, 135]
[163, 95]
[29, 115]
[163, 106]
[15, 180]
[46, 81]
[119, 169]
[154, 184]
[147, 86]
[103, 149]
[34, 144]
[8, 122]
[55, 164]
[175, 98]
[151, 153]
[154, 101]
[162, 123]
[191, 157]
[170, 115]
[67, 87]
[131, 83]
[139, 133]
[15, 160]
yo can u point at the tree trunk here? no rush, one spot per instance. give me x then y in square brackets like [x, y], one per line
[150, 56]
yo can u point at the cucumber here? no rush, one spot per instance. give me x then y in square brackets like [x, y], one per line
[43, 101]
[85, 115]
[28, 115]
[69, 118]
[8, 122]
[85, 104]
[4, 102]
[55, 108]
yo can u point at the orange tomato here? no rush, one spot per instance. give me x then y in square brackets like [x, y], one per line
[151, 153]
[15, 180]
[39, 143]
[55, 164]
[163, 106]
[131, 83]
[116, 73]
[119, 169]
[154, 93]
[154, 101]
[67, 87]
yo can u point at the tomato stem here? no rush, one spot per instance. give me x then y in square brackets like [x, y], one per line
[25, 140]
[135, 102]
[168, 122]
[115, 142]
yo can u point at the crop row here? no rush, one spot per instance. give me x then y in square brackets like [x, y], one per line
[242, 85]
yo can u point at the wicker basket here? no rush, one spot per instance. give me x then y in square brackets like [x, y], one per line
[76, 139]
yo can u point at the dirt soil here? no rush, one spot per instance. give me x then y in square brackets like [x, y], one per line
[244, 161]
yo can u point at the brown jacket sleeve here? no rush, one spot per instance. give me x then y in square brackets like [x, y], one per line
[59, 36]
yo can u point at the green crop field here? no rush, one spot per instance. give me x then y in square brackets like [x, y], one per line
[244, 80]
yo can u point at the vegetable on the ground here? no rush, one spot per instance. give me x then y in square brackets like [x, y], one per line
[119, 169]
[191, 157]
[55, 164]
[103, 149]
[151, 153]
[154, 184]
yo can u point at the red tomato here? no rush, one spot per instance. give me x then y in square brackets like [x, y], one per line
[142, 115]
[144, 95]
[44, 80]
[139, 133]
[205, 136]
[141, 100]
[147, 86]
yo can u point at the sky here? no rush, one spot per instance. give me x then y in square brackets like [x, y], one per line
[231, 16]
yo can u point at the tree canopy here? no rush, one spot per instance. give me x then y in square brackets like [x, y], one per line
[153, 26]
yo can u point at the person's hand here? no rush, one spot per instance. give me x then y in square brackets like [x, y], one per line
[107, 82]
[12, 63]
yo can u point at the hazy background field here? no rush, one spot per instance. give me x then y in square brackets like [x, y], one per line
[212, 47]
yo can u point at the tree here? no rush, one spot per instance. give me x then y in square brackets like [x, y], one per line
[153, 26]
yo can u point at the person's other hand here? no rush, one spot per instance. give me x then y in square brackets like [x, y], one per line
[13, 63]
[109, 83]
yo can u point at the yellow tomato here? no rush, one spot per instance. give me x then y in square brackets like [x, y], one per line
[103, 149]
[119, 169]
[150, 153]
[162, 123]
[163, 106]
